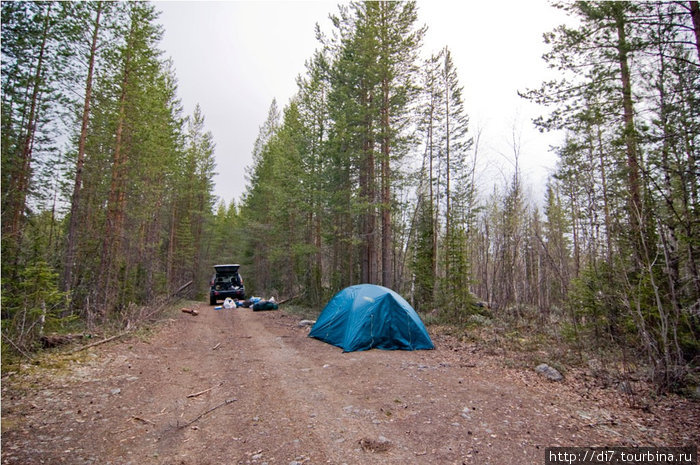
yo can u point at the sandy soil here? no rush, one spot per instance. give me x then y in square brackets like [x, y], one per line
[244, 387]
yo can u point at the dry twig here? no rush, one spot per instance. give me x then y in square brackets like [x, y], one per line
[226, 402]
[196, 394]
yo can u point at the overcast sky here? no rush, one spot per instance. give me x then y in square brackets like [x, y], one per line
[234, 57]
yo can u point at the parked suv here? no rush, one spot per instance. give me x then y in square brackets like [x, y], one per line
[226, 282]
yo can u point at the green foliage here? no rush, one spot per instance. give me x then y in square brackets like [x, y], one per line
[423, 261]
[144, 182]
[599, 310]
[33, 307]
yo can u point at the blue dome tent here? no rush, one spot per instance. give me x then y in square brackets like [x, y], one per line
[365, 316]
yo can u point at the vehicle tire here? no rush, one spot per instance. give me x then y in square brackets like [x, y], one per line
[212, 300]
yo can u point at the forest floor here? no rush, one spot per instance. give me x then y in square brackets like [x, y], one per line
[244, 387]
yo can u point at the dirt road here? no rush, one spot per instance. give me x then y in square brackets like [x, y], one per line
[244, 387]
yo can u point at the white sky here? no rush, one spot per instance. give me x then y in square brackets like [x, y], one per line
[234, 57]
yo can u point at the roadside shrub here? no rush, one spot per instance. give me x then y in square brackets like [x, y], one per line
[31, 307]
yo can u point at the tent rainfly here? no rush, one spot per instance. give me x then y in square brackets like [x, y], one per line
[365, 316]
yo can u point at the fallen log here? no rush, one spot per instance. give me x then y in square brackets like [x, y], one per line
[191, 311]
[181, 288]
[94, 344]
[54, 340]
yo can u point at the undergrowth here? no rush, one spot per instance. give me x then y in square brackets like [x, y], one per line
[137, 321]
[525, 338]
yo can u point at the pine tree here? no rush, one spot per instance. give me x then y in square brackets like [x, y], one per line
[258, 202]
[454, 146]
[75, 204]
[313, 112]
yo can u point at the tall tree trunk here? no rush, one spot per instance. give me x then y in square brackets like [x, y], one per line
[69, 262]
[606, 202]
[170, 257]
[448, 222]
[116, 201]
[387, 239]
[368, 197]
[633, 165]
[433, 205]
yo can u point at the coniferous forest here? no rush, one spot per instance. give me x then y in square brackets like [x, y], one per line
[368, 174]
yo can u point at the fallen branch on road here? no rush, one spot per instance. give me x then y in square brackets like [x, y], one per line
[143, 420]
[196, 394]
[226, 402]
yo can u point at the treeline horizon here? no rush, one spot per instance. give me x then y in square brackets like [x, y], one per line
[368, 174]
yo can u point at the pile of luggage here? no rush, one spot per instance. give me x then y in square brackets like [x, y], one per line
[257, 303]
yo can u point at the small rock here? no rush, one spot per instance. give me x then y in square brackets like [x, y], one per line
[548, 372]
[116, 391]
[303, 323]
[382, 444]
